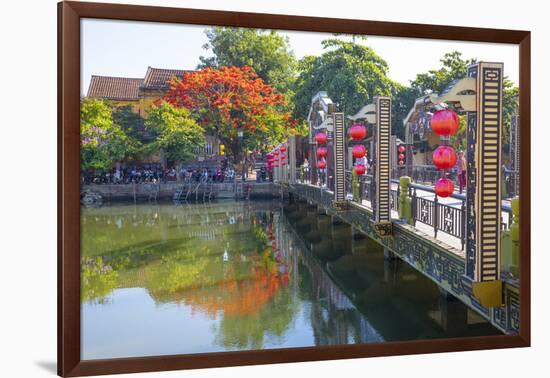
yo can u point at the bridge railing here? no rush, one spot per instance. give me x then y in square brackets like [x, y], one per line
[449, 218]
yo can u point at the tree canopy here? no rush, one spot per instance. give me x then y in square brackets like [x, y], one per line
[351, 73]
[231, 99]
[267, 52]
[176, 133]
[454, 66]
[102, 141]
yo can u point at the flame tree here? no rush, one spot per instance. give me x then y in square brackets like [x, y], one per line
[231, 99]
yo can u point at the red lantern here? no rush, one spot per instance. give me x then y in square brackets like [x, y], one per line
[358, 151]
[401, 148]
[444, 122]
[321, 164]
[401, 156]
[401, 162]
[444, 187]
[283, 148]
[444, 157]
[358, 132]
[321, 152]
[359, 169]
[283, 156]
[321, 138]
[276, 152]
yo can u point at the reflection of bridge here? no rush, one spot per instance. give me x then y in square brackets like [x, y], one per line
[390, 301]
[468, 244]
[333, 315]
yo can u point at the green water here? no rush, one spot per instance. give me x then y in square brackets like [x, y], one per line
[165, 279]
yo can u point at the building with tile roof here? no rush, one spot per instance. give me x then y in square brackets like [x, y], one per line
[114, 88]
[140, 94]
[159, 78]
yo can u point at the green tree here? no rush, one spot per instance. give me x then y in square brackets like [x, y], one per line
[133, 125]
[102, 141]
[175, 132]
[351, 73]
[267, 52]
[454, 66]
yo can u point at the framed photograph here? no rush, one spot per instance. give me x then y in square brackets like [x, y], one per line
[242, 188]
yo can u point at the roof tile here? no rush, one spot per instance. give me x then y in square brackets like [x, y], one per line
[114, 88]
[159, 78]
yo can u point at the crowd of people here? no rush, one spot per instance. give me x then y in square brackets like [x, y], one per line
[156, 174]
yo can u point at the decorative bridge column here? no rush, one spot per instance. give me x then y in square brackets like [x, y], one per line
[483, 199]
[339, 148]
[514, 153]
[291, 152]
[382, 166]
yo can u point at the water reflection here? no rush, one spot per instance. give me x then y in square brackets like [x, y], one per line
[168, 279]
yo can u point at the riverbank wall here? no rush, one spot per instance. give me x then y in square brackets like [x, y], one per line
[166, 191]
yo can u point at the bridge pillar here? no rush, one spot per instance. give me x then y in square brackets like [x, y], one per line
[339, 148]
[454, 315]
[391, 267]
[514, 153]
[514, 237]
[382, 168]
[292, 159]
[483, 198]
[342, 235]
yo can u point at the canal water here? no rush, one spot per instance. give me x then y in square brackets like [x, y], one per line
[162, 279]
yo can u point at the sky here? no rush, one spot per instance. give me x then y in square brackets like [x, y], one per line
[127, 48]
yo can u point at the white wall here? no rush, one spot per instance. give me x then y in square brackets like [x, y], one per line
[28, 274]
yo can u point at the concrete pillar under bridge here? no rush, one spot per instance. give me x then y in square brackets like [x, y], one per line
[342, 236]
[453, 314]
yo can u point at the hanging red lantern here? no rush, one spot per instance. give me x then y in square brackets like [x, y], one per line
[401, 156]
[401, 162]
[322, 152]
[444, 157]
[358, 151]
[444, 122]
[276, 152]
[358, 132]
[321, 138]
[401, 148]
[283, 156]
[321, 164]
[444, 187]
[359, 169]
[283, 148]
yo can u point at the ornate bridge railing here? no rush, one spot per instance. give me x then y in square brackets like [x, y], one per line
[448, 218]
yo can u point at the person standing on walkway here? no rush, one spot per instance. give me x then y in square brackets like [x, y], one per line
[461, 168]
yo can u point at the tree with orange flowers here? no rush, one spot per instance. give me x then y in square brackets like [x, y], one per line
[231, 99]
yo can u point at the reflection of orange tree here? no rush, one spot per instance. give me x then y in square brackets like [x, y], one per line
[252, 308]
[234, 296]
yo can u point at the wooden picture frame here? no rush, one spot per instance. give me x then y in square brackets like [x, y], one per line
[69, 16]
